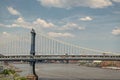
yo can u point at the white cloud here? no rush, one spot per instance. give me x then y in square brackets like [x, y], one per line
[87, 18]
[3, 25]
[20, 22]
[43, 23]
[38, 23]
[75, 3]
[116, 31]
[13, 11]
[71, 26]
[54, 34]
[5, 33]
[81, 28]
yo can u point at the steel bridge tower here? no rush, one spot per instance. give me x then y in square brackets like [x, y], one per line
[32, 75]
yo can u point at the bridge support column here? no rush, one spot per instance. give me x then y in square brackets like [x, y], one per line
[32, 75]
[67, 61]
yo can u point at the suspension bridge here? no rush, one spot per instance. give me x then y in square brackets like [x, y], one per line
[17, 47]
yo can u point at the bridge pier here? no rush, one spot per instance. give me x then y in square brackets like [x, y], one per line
[67, 61]
[32, 75]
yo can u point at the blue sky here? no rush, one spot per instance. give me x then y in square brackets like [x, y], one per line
[87, 23]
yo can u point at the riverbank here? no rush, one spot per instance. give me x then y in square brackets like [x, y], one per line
[10, 72]
[114, 65]
[113, 68]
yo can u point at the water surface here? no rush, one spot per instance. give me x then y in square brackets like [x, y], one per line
[70, 72]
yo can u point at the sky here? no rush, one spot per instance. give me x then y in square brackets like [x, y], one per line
[88, 23]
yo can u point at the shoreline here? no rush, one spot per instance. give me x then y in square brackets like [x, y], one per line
[112, 68]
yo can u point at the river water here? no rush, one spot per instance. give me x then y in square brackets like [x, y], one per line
[69, 72]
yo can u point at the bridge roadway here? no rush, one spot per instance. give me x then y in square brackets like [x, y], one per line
[59, 57]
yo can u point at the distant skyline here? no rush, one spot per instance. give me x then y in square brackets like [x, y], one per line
[88, 23]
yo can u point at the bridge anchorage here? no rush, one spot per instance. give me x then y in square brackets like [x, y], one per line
[32, 75]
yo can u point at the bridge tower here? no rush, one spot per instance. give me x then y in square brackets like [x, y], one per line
[32, 75]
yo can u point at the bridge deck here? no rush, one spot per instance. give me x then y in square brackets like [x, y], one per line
[60, 57]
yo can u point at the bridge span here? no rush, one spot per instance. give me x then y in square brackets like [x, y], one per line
[60, 57]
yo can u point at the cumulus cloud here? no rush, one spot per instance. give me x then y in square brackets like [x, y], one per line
[3, 25]
[43, 23]
[5, 33]
[20, 22]
[116, 31]
[37, 23]
[76, 3]
[87, 18]
[71, 26]
[54, 34]
[13, 11]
